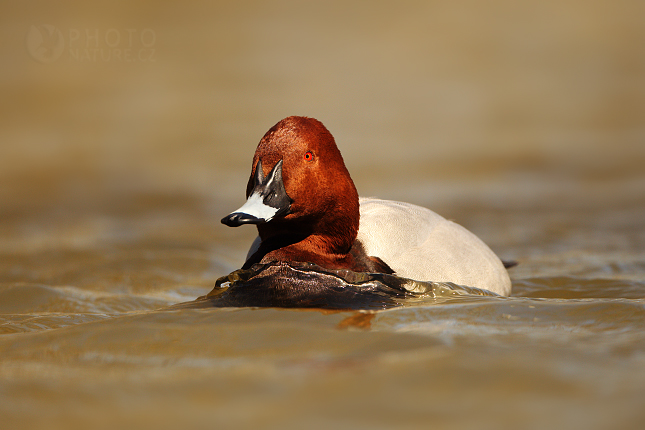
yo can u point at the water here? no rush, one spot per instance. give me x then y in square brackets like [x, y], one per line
[523, 123]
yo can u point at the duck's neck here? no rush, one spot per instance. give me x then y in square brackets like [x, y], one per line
[327, 242]
[323, 250]
[315, 250]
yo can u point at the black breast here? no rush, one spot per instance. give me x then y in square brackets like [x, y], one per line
[305, 285]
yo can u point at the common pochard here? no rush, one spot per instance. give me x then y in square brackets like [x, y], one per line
[306, 208]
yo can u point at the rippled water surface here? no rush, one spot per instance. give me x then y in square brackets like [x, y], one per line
[522, 122]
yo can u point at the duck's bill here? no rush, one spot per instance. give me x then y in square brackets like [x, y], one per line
[267, 200]
[254, 211]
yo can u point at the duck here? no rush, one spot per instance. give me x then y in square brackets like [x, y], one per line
[306, 208]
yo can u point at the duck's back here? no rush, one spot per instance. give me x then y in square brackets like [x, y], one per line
[422, 245]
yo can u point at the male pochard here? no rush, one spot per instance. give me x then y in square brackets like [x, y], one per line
[306, 208]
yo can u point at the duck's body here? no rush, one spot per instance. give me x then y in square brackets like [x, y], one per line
[419, 244]
[307, 209]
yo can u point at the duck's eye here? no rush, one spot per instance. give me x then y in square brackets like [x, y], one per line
[309, 156]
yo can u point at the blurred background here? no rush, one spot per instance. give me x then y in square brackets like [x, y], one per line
[174, 96]
[127, 130]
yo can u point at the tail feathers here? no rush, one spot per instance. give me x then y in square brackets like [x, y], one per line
[509, 263]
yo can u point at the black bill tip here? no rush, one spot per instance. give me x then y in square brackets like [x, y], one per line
[236, 219]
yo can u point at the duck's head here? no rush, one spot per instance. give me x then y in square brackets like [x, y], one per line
[299, 184]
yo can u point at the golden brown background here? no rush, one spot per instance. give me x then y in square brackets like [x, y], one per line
[127, 130]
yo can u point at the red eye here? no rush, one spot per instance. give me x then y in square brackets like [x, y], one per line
[309, 156]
